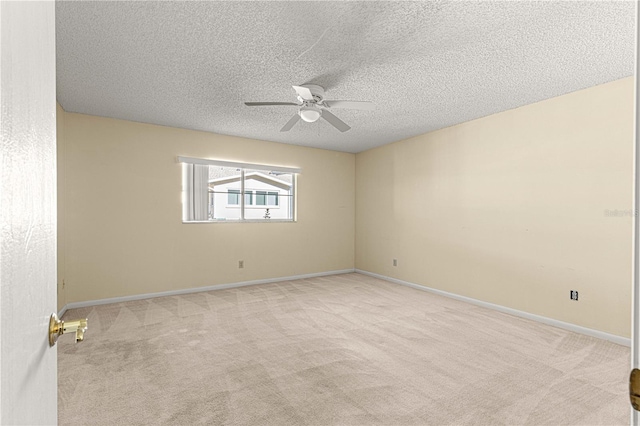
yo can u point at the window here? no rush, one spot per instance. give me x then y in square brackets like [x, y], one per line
[223, 191]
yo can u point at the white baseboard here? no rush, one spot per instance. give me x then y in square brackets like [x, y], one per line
[74, 305]
[62, 311]
[550, 321]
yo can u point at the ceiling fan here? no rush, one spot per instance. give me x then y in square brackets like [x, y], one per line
[312, 106]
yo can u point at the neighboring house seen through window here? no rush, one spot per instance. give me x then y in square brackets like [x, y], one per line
[222, 191]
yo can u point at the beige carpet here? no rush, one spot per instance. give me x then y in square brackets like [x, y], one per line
[346, 349]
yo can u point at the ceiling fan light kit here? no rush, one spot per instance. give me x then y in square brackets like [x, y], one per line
[309, 114]
[312, 106]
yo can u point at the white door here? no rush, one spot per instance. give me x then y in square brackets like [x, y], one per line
[635, 325]
[28, 377]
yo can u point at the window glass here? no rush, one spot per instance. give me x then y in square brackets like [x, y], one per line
[280, 199]
[272, 195]
[224, 184]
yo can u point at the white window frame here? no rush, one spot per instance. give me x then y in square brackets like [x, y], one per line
[294, 171]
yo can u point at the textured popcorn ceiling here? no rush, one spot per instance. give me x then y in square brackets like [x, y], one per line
[426, 65]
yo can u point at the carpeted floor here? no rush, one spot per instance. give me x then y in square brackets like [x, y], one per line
[345, 349]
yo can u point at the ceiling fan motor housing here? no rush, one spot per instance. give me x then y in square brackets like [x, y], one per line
[316, 91]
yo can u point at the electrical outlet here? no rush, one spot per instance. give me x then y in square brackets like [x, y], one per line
[240, 264]
[573, 294]
[395, 262]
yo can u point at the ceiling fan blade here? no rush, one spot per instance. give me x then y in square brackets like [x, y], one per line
[362, 105]
[269, 103]
[290, 123]
[304, 92]
[335, 121]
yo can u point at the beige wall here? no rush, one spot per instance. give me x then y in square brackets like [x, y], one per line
[510, 208]
[121, 223]
[61, 187]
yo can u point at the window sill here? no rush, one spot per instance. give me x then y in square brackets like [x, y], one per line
[252, 206]
[239, 221]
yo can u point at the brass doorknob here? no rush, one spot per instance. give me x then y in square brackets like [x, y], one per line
[58, 328]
